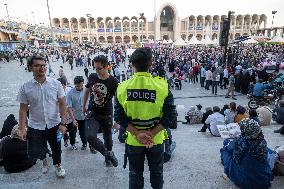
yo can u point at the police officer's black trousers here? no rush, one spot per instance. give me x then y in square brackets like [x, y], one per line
[136, 157]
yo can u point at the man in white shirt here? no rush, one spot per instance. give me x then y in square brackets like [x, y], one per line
[208, 79]
[213, 120]
[226, 78]
[117, 73]
[264, 114]
[44, 98]
[202, 75]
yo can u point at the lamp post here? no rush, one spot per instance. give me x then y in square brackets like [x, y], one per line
[50, 24]
[88, 25]
[8, 16]
[273, 15]
[141, 16]
[230, 13]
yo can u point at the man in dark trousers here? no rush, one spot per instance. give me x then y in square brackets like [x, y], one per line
[144, 107]
[101, 88]
[45, 99]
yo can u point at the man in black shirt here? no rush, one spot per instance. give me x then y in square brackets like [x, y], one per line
[101, 88]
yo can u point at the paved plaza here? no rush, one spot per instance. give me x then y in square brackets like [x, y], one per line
[195, 163]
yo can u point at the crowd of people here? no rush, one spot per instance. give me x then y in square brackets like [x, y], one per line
[143, 123]
[231, 113]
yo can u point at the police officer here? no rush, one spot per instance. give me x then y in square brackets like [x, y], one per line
[144, 107]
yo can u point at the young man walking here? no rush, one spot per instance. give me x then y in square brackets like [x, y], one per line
[101, 88]
[74, 105]
[44, 98]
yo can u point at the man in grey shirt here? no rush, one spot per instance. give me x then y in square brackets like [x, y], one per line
[44, 98]
[74, 105]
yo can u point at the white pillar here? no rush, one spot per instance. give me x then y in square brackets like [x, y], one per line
[122, 39]
[250, 25]
[79, 30]
[105, 32]
[234, 31]
[194, 28]
[177, 29]
[71, 30]
[130, 31]
[88, 29]
[243, 20]
[203, 25]
[139, 30]
[218, 32]
[147, 32]
[187, 26]
[158, 32]
[97, 35]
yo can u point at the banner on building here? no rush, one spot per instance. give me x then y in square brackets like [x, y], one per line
[101, 30]
[190, 28]
[117, 29]
[200, 27]
[7, 46]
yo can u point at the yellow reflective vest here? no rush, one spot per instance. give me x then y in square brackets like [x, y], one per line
[142, 98]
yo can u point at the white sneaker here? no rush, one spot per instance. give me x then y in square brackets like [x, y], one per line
[74, 147]
[60, 172]
[45, 166]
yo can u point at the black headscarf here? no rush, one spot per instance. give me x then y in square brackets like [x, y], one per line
[251, 142]
[8, 125]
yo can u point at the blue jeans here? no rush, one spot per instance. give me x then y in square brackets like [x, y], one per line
[136, 156]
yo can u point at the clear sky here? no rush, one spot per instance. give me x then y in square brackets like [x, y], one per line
[22, 9]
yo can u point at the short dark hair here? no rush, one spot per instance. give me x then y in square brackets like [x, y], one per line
[62, 81]
[216, 109]
[199, 106]
[32, 59]
[233, 106]
[101, 59]
[141, 58]
[241, 110]
[78, 79]
[261, 103]
[252, 113]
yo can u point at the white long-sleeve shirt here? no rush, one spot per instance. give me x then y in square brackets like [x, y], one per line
[213, 120]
